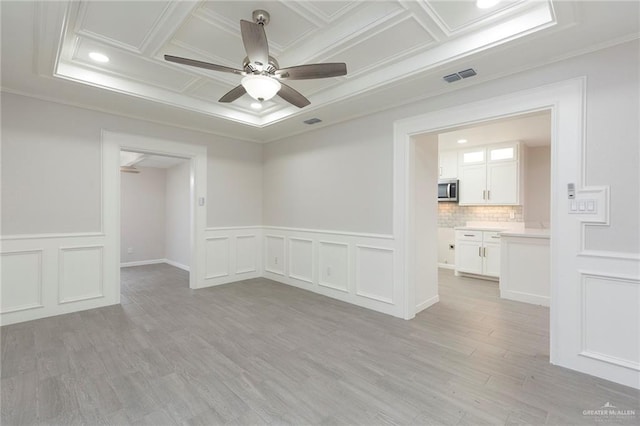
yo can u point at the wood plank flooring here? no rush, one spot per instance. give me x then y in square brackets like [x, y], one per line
[260, 352]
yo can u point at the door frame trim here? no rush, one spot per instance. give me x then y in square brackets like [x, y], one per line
[112, 144]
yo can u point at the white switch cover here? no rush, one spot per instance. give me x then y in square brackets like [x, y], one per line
[591, 204]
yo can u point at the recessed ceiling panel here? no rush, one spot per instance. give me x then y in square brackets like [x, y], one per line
[213, 41]
[125, 22]
[309, 87]
[460, 13]
[329, 10]
[132, 66]
[284, 28]
[384, 46]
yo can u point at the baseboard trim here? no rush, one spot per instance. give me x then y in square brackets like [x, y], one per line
[429, 302]
[518, 296]
[446, 266]
[177, 265]
[142, 263]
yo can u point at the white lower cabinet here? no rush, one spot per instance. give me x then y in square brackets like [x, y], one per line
[478, 252]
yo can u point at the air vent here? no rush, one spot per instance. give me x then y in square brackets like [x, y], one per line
[451, 78]
[459, 75]
[312, 121]
[467, 73]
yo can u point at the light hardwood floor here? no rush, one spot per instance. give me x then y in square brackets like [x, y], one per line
[259, 352]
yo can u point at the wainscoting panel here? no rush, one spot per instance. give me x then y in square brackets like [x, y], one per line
[360, 269]
[274, 254]
[611, 320]
[21, 281]
[53, 274]
[334, 265]
[246, 253]
[374, 273]
[81, 276]
[232, 254]
[301, 259]
[217, 255]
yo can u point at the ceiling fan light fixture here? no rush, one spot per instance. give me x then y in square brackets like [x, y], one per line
[261, 87]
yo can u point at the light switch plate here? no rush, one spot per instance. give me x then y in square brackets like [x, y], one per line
[591, 204]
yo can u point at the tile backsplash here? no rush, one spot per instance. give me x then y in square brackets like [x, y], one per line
[452, 214]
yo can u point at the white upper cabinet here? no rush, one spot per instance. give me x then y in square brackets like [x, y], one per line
[490, 175]
[448, 162]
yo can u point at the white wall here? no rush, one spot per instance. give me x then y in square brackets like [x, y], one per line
[426, 219]
[142, 215]
[234, 175]
[177, 210]
[537, 186]
[338, 177]
[51, 168]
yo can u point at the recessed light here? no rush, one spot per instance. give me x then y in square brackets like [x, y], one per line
[256, 105]
[99, 57]
[462, 141]
[486, 4]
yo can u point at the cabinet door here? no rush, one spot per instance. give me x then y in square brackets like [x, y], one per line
[448, 161]
[472, 184]
[491, 259]
[502, 183]
[468, 257]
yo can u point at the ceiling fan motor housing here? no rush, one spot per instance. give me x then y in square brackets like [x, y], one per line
[261, 17]
[251, 68]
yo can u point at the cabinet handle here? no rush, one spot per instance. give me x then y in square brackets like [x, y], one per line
[484, 194]
[484, 252]
[480, 251]
[469, 235]
[488, 194]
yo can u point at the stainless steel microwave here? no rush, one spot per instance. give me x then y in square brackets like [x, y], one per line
[448, 190]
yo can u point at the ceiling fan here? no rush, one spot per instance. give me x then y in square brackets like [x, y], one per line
[262, 75]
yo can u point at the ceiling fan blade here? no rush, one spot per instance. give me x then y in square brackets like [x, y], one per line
[292, 96]
[255, 42]
[233, 94]
[305, 72]
[200, 64]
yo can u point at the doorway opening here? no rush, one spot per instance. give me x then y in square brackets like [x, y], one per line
[194, 162]
[155, 218]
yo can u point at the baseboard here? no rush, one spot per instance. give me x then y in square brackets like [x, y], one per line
[429, 302]
[142, 263]
[533, 299]
[177, 265]
[446, 266]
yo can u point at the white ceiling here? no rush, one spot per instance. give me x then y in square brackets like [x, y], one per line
[533, 130]
[396, 52]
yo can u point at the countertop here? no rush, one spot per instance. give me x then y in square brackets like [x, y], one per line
[527, 233]
[479, 228]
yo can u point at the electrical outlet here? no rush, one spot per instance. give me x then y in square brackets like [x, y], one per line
[130, 250]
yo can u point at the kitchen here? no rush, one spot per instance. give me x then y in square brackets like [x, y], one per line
[494, 204]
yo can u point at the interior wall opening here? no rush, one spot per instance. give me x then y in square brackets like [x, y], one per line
[155, 210]
[492, 225]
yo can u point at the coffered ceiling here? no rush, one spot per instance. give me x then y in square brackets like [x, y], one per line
[395, 51]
